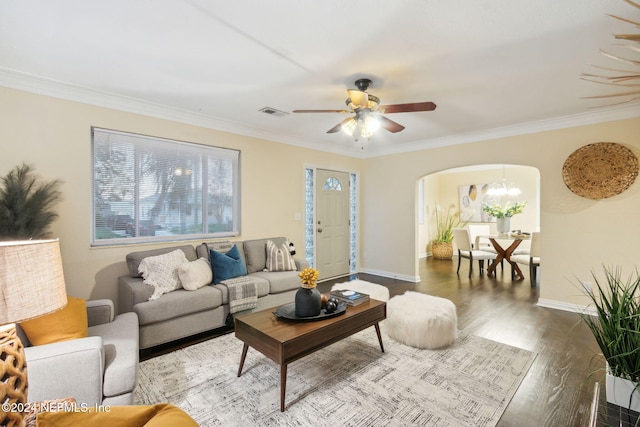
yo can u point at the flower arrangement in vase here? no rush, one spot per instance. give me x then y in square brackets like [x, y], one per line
[503, 214]
[309, 278]
[308, 301]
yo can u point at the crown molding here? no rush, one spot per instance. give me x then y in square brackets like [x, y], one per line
[54, 88]
[573, 120]
[72, 92]
[57, 89]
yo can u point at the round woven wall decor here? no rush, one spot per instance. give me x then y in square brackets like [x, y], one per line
[600, 170]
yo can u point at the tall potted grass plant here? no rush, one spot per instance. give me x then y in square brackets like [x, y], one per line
[442, 245]
[616, 328]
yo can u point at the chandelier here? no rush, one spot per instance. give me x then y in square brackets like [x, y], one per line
[503, 188]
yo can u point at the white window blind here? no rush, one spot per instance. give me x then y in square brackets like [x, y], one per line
[147, 188]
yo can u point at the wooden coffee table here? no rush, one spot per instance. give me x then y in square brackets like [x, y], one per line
[285, 341]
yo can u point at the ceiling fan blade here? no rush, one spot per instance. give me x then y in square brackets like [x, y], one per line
[390, 125]
[408, 108]
[359, 98]
[338, 127]
[321, 111]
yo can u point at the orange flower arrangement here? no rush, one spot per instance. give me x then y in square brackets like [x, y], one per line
[309, 277]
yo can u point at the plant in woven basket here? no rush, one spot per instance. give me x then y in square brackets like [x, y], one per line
[26, 204]
[445, 223]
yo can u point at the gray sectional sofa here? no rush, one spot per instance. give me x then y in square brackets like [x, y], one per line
[182, 313]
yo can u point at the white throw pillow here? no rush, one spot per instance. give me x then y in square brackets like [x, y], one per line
[161, 272]
[196, 274]
[279, 258]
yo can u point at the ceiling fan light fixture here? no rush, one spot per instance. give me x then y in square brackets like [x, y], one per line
[372, 103]
[365, 133]
[349, 127]
[371, 123]
[363, 106]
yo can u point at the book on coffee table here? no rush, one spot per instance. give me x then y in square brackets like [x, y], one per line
[350, 297]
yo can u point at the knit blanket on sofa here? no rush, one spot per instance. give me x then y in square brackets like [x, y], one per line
[243, 293]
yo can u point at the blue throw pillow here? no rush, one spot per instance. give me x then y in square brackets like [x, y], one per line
[226, 266]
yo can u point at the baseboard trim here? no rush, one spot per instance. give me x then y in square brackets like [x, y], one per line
[391, 275]
[564, 306]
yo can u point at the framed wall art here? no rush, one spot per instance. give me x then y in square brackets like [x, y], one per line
[473, 198]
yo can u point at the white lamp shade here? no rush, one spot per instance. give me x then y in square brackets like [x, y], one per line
[31, 279]
[349, 126]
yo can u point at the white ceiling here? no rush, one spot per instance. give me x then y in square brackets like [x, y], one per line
[493, 67]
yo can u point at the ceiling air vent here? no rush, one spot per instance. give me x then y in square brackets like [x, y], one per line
[273, 112]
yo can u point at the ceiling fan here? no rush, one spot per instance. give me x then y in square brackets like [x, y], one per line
[368, 112]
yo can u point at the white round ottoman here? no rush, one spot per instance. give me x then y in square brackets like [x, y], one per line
[421, 320]
[374, 290]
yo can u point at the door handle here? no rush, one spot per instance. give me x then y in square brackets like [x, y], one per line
[319, 230]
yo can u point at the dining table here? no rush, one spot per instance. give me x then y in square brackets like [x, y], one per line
[504, 252]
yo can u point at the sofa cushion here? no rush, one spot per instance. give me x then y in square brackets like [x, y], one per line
[279, 258]
[50, 405]
[279, 281]
[264, 287]
[161, 272]
[221, 246]
[66, 324]
[178, 303]
[255, 252]
[195, 274]
[134, 258]
[227, 265]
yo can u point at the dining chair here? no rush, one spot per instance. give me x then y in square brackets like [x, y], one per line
[532, 259]
[477, 230]
[481, 243]
[462, 239]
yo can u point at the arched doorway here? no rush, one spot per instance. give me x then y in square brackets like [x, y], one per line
[446, 189]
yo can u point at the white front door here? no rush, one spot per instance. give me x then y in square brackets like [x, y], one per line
[332, 223]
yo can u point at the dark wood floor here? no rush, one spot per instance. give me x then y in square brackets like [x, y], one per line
[558, 388]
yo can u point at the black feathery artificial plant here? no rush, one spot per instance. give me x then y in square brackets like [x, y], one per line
[26, 204]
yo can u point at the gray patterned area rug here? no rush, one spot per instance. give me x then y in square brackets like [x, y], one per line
[349, 383]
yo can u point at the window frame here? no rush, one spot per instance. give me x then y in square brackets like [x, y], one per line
[206, 154]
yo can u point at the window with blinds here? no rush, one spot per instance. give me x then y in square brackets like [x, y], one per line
[154, 189]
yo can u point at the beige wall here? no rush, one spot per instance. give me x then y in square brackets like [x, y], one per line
[580, 235]
[54, 136]
[426, 231]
